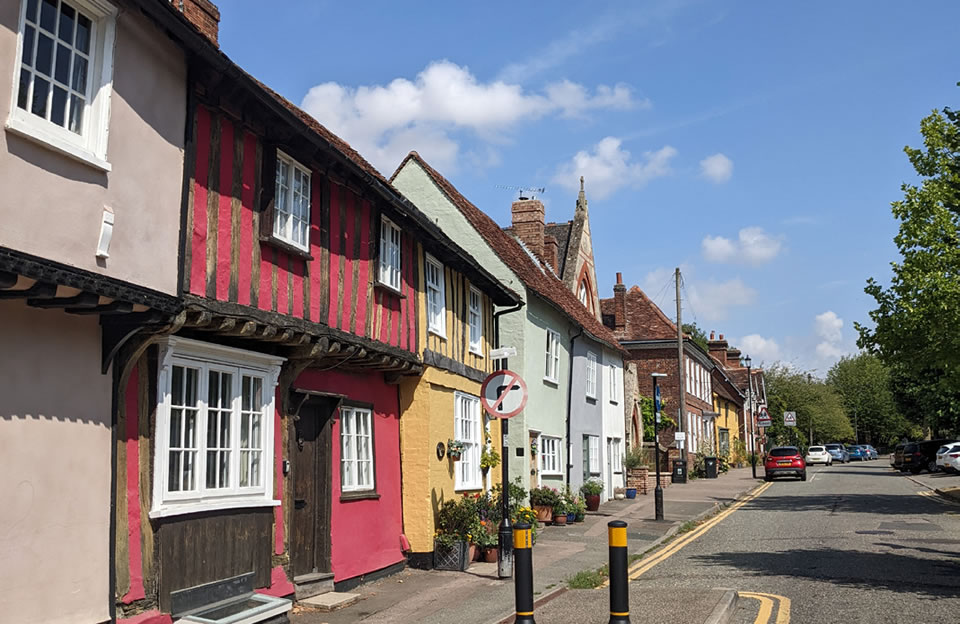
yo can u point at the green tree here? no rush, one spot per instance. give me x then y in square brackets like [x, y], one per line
[863, 383]
[915, 323]
[815, 403]
[696, 334]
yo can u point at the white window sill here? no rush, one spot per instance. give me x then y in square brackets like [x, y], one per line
[476, 351]
[178, 509]
[468, 488]
[612, 402]
[439, 333]
[551, 474]
[394, 289]
[550, 381]
[35, 133]
[592, 397]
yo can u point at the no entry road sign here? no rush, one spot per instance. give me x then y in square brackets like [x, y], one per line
[503, 394]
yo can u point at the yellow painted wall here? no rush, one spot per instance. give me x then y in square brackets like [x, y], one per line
[427, 405]
[727, 419]
[456, 343]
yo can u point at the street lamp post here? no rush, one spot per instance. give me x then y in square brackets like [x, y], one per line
[753, 424]
[658, 490]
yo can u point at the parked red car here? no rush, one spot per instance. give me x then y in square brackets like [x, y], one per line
[785, 460]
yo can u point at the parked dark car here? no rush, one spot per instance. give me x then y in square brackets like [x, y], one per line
[919, 456]
[785, 460]
[896, 457]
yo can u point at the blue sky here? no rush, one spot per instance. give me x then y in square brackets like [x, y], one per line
[757, 145]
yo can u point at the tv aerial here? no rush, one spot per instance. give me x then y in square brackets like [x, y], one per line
[523, 191]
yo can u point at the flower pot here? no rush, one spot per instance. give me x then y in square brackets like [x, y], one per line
[571, 517]
[593, 502]
[490, 556]
[631, 492]
[560, 520]
[455, 457]
[579, 518]
[454, 557]
[471, 554]
[544, 513]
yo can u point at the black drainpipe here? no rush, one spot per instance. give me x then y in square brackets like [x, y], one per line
[570, 404]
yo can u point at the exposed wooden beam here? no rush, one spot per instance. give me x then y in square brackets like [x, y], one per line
[246, 329]
[83, 300]
[267, 331]
[40, 290]
[334, 348]
[199, 319]
[221, 325]
[8, 279]
[316, 350]
[285, 336]
[117, 307]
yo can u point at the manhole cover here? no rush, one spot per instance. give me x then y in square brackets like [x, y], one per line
[901, 525]
[874, 532]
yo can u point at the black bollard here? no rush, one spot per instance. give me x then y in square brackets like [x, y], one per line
[523, 573]
[619, 590]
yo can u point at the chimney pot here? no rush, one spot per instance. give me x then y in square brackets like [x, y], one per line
[711, 335]
[619, 277]
[203, 14]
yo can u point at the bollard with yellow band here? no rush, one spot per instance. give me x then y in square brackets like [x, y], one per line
[619, 590]
[523, 573]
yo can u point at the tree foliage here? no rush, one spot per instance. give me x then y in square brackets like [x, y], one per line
[917, 317]
[864, 386]
[812, 400]
[697, 335]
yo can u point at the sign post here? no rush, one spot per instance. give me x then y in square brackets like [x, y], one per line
[504, 395]
[763, 419]
[657, 491]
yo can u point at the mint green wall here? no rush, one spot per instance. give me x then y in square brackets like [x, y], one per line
[526, 330]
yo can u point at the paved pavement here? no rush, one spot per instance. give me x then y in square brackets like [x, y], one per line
[477, 596]
[854, 543]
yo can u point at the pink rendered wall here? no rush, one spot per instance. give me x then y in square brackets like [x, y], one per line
[365, 534]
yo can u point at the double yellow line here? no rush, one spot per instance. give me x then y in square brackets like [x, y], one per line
[767, 602]
[642, 566]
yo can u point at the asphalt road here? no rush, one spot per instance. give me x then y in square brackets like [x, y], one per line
[854, 543]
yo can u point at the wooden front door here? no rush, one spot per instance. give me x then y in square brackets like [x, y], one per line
[311, 452]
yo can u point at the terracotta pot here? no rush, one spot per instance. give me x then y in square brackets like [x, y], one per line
[593, 502]
[560, 520]
[471, 556]
[490, 556]
[544, 513]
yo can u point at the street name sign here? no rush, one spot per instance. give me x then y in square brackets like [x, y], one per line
[679, 436]
[503, 394]
[503, 352]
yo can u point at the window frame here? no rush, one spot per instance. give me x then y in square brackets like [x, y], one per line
[90, 145]
[472, 449]
[294, 166]
[556, 453]
[208, 357]
[438, 289]
[476, 346]
[616, 453]
[349, 410]
[590, 376]
[384, 262]
[552, 353]
[593, 442]
[614, 384]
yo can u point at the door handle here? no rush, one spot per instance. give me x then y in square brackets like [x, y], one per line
[299, 503]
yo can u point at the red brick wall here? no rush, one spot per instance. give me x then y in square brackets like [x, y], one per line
[664, 361]
[203, 14]
[528, 224]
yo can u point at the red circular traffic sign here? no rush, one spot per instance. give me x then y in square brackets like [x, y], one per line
[503, 394]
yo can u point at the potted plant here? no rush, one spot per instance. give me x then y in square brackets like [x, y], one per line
[581, 511]
[543, 499]
[486, 541]
[592, 489]
[560, 513]
[454, 449]
[489, 458]
[455, 528]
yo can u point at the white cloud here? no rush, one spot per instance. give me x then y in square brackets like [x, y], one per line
[753, 246]
[717, 168]
[609, 167]
[829, 351]
[829, 326]
[763, 351]
[704, 300]
[383, 122]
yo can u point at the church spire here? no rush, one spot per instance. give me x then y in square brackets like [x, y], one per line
[581, 199]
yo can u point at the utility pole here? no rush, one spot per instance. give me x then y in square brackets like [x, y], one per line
[682, 407]
[810, 381]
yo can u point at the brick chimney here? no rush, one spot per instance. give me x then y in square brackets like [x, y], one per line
[551, 252]
[528, 224]
[203, 14]
[718, 348]
[619, 304]
[733, 358]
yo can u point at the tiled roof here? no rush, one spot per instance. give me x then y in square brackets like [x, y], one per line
[645, 320]
[561, 232]
[542, 282]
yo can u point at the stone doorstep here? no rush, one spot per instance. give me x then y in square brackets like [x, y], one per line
[331, 601]
[308, 585]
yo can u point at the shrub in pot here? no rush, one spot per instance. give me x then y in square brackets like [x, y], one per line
[560, 513]
[592, 490]
[543, 499]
